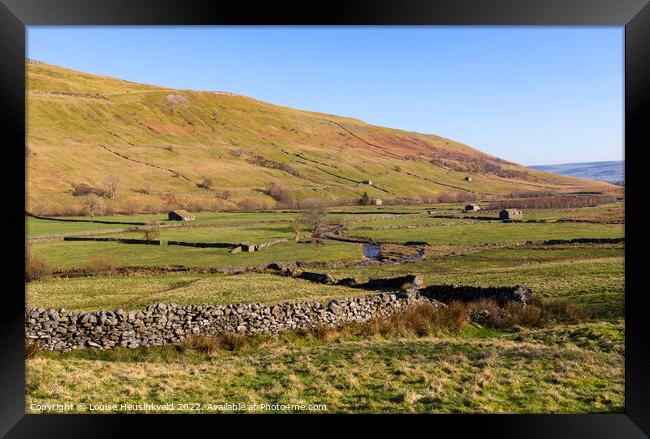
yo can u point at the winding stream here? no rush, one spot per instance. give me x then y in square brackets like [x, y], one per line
[371, 252]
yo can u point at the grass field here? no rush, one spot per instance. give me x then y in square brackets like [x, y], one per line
[61, 254]
[572, 369]
[563, 368]
[495, 233]
[133, 293]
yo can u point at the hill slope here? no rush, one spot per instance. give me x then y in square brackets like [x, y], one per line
[164, 143]
[610, 171]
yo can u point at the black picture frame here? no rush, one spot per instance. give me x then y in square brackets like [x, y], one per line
[15, 15]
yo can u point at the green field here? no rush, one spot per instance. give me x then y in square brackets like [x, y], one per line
[495, 233]
[62, 255]
[563, 368]
[134, 293]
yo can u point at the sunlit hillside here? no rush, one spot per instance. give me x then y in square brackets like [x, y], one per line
[214, 150]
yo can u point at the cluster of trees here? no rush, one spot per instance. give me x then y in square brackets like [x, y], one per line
[93, 197]
[445, 197]
[556, 202]
[531, 194]
[206, 184]
[108, 189]
[281, 194]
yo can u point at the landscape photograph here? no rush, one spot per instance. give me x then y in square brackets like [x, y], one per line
[235, 219]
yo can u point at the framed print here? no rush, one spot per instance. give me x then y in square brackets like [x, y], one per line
[367, 208]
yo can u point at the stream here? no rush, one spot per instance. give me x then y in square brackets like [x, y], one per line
[372, 252]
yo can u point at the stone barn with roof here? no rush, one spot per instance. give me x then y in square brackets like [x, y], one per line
[180, 215]
[511, 215]
[472, 208]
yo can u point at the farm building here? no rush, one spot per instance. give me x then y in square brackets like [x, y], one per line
[248, 247]
[468, 178]
[510, 215]
[472, 208]
[377, 202]
[367, 182]
[180, 215]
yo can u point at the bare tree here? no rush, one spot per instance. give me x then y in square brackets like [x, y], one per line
[295, 227]
[152, 229]
[314, 214]
[111, 184]
[93, 204]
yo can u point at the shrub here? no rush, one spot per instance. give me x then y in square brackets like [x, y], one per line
[206, 184]
[100, 264]
[83, 189]
[536, 314]
[446, 198]
[146, 190]
[364, 200]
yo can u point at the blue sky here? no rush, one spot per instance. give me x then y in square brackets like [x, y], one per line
[533, 95]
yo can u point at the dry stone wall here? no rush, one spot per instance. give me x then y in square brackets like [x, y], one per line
[462, 293]
[161, 324]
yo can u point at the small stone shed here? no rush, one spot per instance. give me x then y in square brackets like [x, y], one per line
[472, 208]
[369, 182]
[511, 215]
[180, 215]
[377, 202]
[248, 247]
[468, 178]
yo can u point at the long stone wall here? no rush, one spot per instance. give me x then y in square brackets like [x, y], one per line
[260, 246]
[161, 324]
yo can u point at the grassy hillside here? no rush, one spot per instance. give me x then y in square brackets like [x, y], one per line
[163, 144]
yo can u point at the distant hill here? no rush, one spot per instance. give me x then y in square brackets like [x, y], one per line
[612, 171]
[212, 150]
